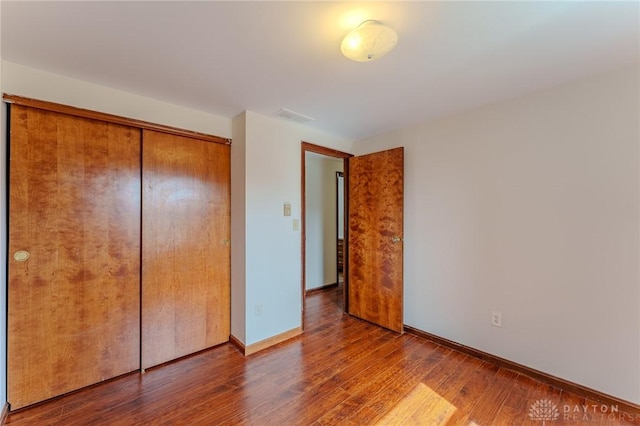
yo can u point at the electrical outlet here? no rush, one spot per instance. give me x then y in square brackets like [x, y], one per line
[496, 319]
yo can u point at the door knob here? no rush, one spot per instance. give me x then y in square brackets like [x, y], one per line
[395, 239]
[21, 255]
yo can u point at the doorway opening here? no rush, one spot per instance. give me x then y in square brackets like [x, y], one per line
[340, 227]
[324, 203]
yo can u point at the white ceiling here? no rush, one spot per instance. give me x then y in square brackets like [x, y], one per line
[226, 57]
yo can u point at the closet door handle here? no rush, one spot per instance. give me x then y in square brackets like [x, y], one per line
[21, 255]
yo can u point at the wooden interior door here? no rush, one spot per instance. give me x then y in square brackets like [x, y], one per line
[185, 246]
[74, 207]
[375, 238]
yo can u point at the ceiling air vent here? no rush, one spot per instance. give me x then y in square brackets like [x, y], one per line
[292, 115]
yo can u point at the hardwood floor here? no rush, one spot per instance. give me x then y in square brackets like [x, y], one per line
[342, 371]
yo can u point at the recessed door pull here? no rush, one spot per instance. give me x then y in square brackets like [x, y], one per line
[21, 255]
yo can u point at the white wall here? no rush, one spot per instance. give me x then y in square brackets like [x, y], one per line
[3, 240]
[321, 220]
[273, 249]
[531, 207]
[238, 229]
[330, 219]
[313, 222]
[37, 84]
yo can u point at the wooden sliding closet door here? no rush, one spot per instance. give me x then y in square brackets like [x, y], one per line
[185, 246]
[74, 210]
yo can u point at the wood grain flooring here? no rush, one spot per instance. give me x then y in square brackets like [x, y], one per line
[341, 371]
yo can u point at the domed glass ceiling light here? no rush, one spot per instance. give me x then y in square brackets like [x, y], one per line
[369, 41]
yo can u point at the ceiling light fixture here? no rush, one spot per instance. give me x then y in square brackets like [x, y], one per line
[369, 41]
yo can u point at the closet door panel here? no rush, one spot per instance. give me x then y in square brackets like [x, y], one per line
[185, 246]
[73, 308]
